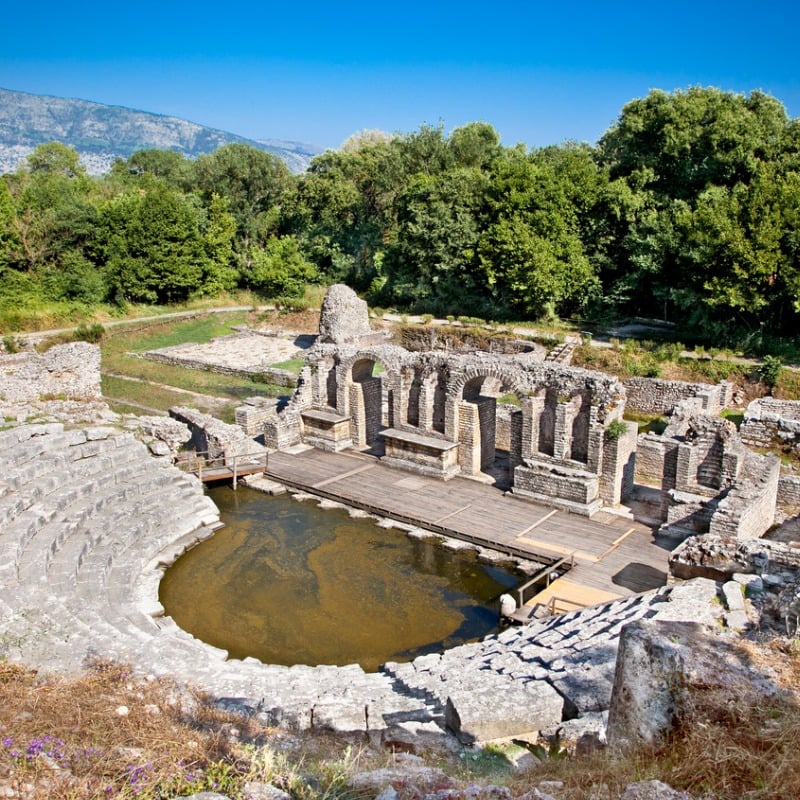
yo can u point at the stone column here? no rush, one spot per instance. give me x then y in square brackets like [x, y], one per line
[562, 434]
[469, 438]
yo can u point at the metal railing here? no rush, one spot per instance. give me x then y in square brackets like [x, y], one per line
[547, 574]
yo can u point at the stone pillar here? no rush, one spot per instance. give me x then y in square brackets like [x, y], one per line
[469, 438]
[425, 400]
[372, 393]
[406, 399]
[451, 422]
[532, 444]
[358, 426]
[619, 461]
[596, 443]
[562, 433]
[344, 386]
[519, 421]
[487, 424]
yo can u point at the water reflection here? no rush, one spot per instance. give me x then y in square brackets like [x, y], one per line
[289, 583]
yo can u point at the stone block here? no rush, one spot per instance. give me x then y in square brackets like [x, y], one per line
[666, 668]
[494, 712]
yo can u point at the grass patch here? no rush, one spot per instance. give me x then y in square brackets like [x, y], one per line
[647, 423]
[293, 365]
[170, 333]
[734, 415]
[129, 378]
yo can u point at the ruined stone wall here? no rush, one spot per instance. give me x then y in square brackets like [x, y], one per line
[768, 420]
[284, 431]
[789, 491]
[619, 457]
[571, 489]
[502, 440]
[252, 416]
[748, 510]
[656, 460]
[68, 371]
[213, 436]
[656, 396]
[278, 377]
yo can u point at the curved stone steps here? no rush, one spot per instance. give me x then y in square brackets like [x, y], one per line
[558, 647]
[74, 524]
[89, 521]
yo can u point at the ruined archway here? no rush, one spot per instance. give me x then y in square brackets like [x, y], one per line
[489, 443]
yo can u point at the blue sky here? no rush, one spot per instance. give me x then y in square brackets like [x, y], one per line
[540, 72]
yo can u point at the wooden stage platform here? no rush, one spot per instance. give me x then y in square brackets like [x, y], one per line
[614, 556]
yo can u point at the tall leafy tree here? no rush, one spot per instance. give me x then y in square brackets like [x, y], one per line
[255, 183]
[153, 247]
[690, 206]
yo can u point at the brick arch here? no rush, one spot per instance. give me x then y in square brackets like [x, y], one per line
[513, 380]
[390, 365]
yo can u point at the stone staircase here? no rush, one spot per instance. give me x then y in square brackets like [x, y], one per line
[562, 353]
[89, 521]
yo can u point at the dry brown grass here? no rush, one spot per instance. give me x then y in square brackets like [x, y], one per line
[745, 749]
[109, 735]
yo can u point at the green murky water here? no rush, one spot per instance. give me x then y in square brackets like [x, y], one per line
[289, 583]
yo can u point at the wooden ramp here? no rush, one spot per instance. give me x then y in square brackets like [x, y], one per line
[564, 594]
[613, 556]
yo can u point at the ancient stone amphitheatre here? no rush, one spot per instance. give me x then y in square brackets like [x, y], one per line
[92, 511]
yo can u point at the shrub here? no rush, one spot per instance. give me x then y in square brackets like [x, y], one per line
[615, 429]
[10, 344]
[769, 371]
[89, 333]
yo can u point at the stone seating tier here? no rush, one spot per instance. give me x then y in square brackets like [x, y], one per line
[86, 538]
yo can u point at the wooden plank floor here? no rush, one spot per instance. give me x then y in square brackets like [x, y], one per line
[614, 556]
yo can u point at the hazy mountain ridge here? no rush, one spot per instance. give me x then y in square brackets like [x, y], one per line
[101, 133]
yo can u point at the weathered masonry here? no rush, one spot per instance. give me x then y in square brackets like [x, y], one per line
[436, 414]
[561, 440]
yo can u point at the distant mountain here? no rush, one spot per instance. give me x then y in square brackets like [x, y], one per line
[102, 133]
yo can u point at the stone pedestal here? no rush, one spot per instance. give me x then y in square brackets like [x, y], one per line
[424, 455]
[326, 429]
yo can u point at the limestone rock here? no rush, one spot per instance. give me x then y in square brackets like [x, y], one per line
[652, 790]
[666, 668]
[423, 779]
[344, 317]
[263, 791]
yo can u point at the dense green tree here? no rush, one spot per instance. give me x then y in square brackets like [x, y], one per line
[685, 141]
[532, 255]
[53, 210]
[694, 213]
[152, 246]
[54, 158]
[346, 209]
[219, 231]
[279, 270]
[431, 266]
[255, 183]
[167, 164]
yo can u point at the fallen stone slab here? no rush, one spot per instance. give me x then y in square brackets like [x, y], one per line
[499, 709]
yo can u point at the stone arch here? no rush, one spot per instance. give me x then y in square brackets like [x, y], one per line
[472, 418]
[365, 382]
